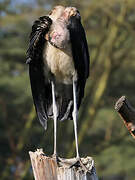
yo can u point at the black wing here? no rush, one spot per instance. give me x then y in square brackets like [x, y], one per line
[80, 54]
[37, 40]
[39, 85]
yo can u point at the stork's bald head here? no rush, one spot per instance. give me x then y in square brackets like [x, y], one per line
[58, 35]
[56, 12]
[61, 12]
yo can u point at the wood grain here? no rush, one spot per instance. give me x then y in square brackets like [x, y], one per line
[47, 168]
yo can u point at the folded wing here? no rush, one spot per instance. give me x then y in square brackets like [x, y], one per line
[39, 84]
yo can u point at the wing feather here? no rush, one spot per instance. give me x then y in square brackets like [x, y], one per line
[80, 54]
[40, 85]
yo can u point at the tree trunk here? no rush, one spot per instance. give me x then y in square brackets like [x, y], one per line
[47, 168]
[127, 112]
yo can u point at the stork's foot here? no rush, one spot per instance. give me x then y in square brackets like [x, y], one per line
[83, 166]
[79, 163]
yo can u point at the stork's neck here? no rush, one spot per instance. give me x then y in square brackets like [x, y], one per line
[59, 34]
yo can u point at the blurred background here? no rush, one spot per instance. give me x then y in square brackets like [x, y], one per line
[110, 29]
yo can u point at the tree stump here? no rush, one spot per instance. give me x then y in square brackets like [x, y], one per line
[127, 112]
[47, 168]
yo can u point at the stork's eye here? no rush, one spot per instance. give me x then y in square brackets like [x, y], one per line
[78, 12]
[50, 13]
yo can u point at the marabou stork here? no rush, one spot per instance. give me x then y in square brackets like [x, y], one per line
[58, 61]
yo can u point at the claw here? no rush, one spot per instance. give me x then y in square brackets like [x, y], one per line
[83, 166]
[79, 163]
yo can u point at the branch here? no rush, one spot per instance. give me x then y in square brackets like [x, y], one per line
[127, 112]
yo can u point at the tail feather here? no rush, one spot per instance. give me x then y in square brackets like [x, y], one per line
[64, 101]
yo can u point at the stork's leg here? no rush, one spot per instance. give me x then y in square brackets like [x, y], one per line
[75, 115]
[55, 115]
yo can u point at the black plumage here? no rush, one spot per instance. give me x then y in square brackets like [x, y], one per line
[80, 54]
[39, 84]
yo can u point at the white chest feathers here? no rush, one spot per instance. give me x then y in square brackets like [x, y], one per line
[59, 62]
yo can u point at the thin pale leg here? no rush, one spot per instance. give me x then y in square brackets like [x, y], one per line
[75, 115]
[55, 115]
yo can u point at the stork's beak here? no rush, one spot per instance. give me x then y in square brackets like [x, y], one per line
[47, 36]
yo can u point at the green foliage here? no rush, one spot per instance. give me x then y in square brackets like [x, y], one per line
[110, 32]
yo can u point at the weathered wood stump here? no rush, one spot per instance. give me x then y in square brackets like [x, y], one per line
[127, 112]
[47, 168]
